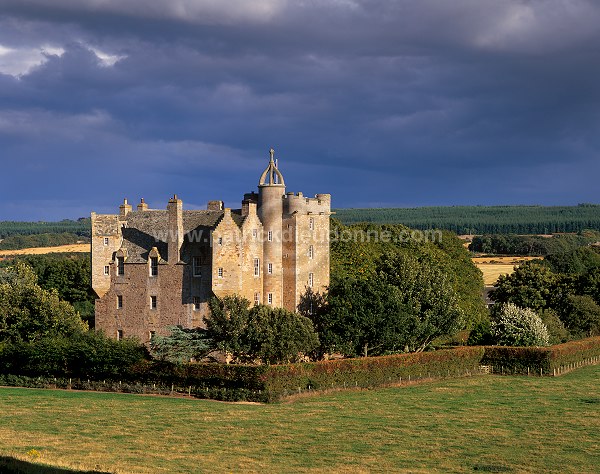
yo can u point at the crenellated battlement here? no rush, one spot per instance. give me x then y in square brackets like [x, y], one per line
[320, 204]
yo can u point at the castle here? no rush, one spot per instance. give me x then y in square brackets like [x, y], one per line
[157, 268]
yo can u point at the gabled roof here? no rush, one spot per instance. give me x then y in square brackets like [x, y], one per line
[150, 228]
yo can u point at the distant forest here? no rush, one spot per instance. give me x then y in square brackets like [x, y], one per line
[483, 219]
[80, 227]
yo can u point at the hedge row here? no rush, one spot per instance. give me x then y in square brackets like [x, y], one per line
[542, 360]
[268, 383]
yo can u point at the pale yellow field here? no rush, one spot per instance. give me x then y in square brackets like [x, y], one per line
[493, 267]
[42, 250]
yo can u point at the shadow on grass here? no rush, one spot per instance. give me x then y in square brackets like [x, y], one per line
[9, 465]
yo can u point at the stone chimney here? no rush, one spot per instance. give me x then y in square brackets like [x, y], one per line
[175, 239]
[248, 208]
[215, 205]
[142, 206]
[124, 208]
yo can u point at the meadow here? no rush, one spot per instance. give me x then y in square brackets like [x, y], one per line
[483, 423]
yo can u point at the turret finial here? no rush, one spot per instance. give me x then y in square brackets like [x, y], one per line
[272, 153]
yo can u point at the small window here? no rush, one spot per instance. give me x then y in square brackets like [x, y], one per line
[270, 269]
[311, 279]
[197, 266]
[153, 266]
[120, 266]
[152, 334]
[119, 301]
[153, 302]
[270, 298]
[105, 240]
[311, 223]
[220, 272]
[257, 267]
[311, 251]
[257, 298]
[196, 302]
[119, 334]
[270, 236]
[106, 270]
[254, 233]
[220, 240]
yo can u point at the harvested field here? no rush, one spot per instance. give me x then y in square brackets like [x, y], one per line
[71, 248]
[493, 267]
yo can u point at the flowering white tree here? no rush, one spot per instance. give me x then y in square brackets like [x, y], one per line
[514, 326]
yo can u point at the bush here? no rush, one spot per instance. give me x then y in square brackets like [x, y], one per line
[514, 326]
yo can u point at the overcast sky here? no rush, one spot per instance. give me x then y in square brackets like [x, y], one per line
[380, 102]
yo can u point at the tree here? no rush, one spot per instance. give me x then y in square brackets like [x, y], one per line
[530, 286]
[271, 335]
[581, 316]
[514, 326]
[364, 317]
[181, 345]
[429, 295]
[28, 312]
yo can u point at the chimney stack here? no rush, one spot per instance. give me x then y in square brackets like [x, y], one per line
[142, 206]
[124, 208]
[175, 240]
[215, 206]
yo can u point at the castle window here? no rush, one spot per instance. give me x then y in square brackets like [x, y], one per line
[270, 236]
[257, 298]
[153, 266]
[105, 240]
[220, 272]
[119, 301]
[120, 265]
[311, 223]
[220, 240]
[119, 334]
[152, 334]
[106, 270]
[153, 302]
[196, 302]
[311, 279]
[270, 269]
[255, 233]
[196, 266]
[311, 251]
[270, 298]
[257, 267]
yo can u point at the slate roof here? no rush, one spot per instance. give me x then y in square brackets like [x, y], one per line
[147, 229]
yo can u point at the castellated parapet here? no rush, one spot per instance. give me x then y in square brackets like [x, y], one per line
[157, 268]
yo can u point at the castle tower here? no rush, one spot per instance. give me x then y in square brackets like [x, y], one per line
[271, 188]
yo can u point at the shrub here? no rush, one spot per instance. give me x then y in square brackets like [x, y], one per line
[514, 326]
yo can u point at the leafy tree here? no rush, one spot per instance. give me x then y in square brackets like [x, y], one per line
[481, 334]
[28, 312]
[277, 335]
[514, 326]
[364, 318]
[557, 332]
[530, 286]
[580, 261]
[271, 335]
[228, 326]
[181, 345]
[581, 316]
[428, 293]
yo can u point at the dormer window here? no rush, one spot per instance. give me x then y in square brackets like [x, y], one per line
[153, 266]
[120, 265]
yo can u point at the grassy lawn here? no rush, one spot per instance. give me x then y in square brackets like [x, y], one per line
[482, 424]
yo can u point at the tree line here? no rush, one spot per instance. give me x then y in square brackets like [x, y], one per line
[483, 219]
[532, 245]
[81, 227]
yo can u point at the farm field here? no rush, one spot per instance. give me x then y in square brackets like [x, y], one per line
[493, 267]
[483, 423]
[71, 248]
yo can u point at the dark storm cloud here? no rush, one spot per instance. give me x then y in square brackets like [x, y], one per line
[379, 102]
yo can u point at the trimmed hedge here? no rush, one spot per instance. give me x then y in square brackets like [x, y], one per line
[551, 360]
[269, 383]
[284, 380]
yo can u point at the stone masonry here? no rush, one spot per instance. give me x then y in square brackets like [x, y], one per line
[157, 268]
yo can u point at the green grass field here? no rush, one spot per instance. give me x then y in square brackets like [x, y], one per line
[477, 424]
